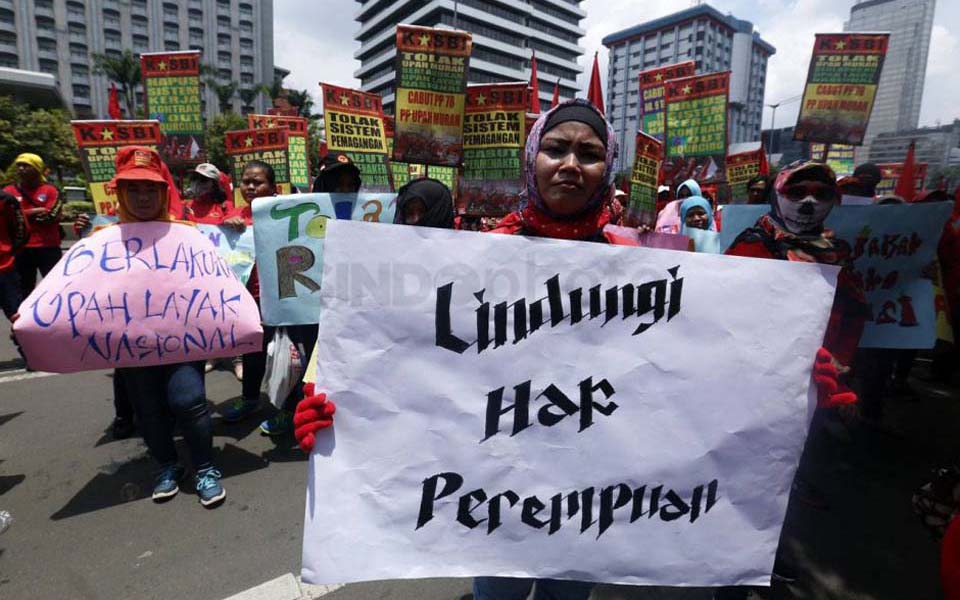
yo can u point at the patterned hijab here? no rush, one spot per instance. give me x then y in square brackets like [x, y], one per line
[534, 216]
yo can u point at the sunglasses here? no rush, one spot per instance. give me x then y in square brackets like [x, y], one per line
[819, 191]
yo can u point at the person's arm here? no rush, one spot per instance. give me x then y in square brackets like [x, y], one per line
[16, 225]
[52, 212]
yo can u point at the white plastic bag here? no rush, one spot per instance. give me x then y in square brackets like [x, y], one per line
[284, 367]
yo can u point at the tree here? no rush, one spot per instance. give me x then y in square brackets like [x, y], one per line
[125, 72]
[224, 92]
[248, 97]
[213, 138]
[275, 88]
[303, 101]
[45, 132]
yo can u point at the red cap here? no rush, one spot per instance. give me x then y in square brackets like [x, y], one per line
[138, 163]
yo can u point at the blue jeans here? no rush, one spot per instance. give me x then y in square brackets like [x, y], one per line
[10, 297]
[514, 588]
[168, 395]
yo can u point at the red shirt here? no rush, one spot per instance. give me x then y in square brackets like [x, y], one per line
[212, 213]
[44, 229]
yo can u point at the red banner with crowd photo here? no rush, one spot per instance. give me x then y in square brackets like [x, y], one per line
[891, 174]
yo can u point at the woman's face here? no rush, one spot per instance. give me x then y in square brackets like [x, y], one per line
[413, 211]
[570, 167]
[255, 184]
[144, 199]
[697, 218]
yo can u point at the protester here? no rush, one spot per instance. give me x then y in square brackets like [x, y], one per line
[13, 237]
[663, 197]
[696, 213]
[668, 220]
[338, 174]
[425, 202]
[42, 207]
[863, 182]
[758, 190]
[259, 181]
[167, 394]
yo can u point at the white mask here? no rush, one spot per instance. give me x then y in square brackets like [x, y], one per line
[803, 216]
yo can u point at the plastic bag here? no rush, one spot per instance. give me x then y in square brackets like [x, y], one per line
[284, 367]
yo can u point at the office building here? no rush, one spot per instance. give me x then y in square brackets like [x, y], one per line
[716, 42]
[782, 148]
[60, 37]
[933, 145]
[909, 22]
[504, 34]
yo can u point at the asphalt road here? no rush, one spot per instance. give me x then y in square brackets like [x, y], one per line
[85, 528]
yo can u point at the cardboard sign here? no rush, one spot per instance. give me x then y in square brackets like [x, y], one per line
[355, 126]
[289, 232]
[137, 295]
[891, 174]
[297, 143]
[171, 84]
[432, 67]
[236, 248]
[841, 86]
[696, 130]
[493, 139]
[741, 168]
[534, 411]
[891, 247]
[642, 205]
[98, 142]
[652, 95]
[267, 145]
[840, 157]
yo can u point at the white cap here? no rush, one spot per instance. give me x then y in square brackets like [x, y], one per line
[208, 170]
[662, 189]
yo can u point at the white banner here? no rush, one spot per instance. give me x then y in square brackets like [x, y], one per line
[518, 407]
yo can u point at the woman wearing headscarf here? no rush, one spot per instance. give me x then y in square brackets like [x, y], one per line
[165, 395]
[696, 213]
[425, 202]
[668, 220]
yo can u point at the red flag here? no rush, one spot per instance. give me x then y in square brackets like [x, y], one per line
[114, 106]
[534, 86]
[906, 184]
[556, 94]
[764, 165]
[595, 91]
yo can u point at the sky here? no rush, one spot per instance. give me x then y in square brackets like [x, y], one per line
[319, 46]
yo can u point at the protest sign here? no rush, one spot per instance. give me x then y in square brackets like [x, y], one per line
[631, 236]
[505, 434]
[432, 66]
[652, 93]
[171, 83]
[696, 127]
[891, 246]
[841, 86]
[98, 142]
[838, 157]
[289, 232]
[236, 248]
[355, 126]
[741, 168]
[642, 205]
[297, 138]
[267, 145]
[494, 133]
[891, 174]
[137, 295]
[941, 306]
[445, 175]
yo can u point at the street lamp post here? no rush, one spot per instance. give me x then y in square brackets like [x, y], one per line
[773, 125]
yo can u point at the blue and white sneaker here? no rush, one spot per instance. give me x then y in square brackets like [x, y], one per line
[278, 424]
[166, 486]
[208, 487]
[240, 409]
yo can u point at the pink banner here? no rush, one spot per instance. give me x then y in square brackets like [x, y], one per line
[137, 295]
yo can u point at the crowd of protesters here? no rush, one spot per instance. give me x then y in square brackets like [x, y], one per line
[568, 194]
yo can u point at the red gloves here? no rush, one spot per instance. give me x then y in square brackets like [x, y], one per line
[826, 374]
[314, 413]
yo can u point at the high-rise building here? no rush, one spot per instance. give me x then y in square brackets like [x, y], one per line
[60, 37]
[716, 42]
[933, 145]
[504, 34]
[909, 22]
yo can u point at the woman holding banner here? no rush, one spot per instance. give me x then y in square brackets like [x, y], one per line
[167, 394]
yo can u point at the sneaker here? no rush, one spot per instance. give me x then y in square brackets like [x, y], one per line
[166, 486]
[122, 428]
[209, 488]
[278, 424]
[209, 366]
[240, 409]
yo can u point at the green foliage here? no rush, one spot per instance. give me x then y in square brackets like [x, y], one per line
[46, 132]
[213, 138]
[72, 209]
[304, 103]
[225, 94]
[125, 72]
[248, 97]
